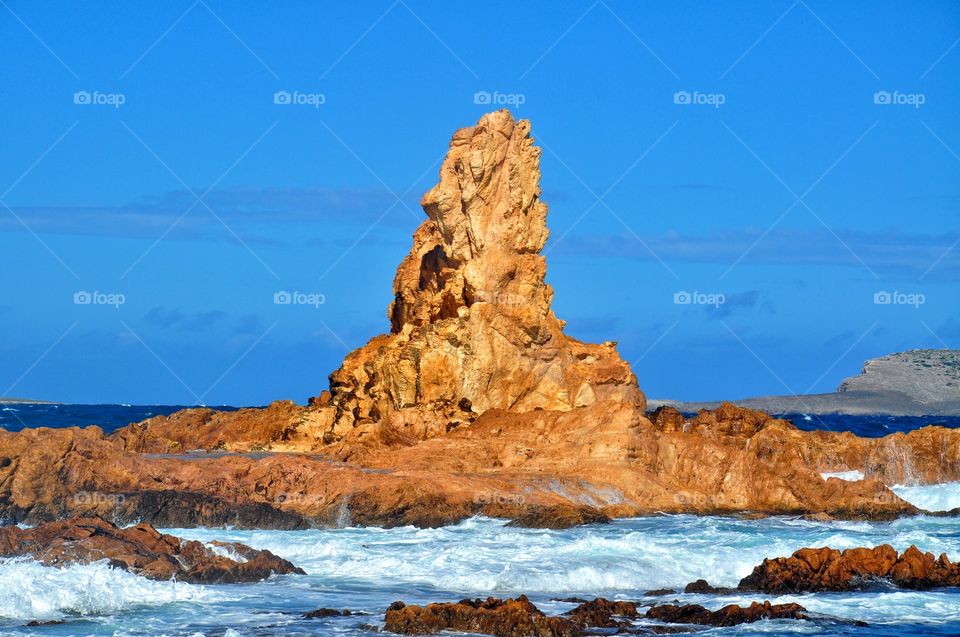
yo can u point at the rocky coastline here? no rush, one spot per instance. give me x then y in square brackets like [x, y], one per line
[475, 402]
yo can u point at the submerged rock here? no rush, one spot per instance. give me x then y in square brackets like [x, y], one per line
[520, 618]
[323, 613]
[701, 586]
[603, 613]
[141, 550]
[727, 616]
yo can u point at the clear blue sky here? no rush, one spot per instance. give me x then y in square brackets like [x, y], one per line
[797, 198]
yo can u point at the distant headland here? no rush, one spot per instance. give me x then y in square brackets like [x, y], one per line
[919, 382]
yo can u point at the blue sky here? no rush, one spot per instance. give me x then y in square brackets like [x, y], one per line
[790, 159]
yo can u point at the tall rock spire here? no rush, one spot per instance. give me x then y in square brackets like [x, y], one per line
[485, 230]
[471, 323]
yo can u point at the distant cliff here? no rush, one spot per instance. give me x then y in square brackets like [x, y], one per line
[918, 382]
[928, 376]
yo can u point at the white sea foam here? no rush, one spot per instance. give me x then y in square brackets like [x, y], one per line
[482, 556]
[932, 497]
[366, 569]
[850, 476]
[29, 590]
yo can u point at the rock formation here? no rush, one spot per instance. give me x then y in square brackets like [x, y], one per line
[141, 550]
[520, 618]
[730, 615]
[827, 569]
[471, 324]
[476, 402]
[487, 617]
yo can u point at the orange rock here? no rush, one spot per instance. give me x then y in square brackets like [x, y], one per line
[487, 617]
[727, 616]
[826, 569]
[471, 315]
[140, 549]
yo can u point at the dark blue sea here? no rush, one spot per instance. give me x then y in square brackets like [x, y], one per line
[14, 417]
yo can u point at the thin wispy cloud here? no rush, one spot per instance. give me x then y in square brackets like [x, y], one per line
[754, 301]
[897, 252]
[175, 319]
[247, 208]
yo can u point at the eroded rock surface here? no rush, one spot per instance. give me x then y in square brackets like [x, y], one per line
[471, 323]
[827, 569]
[142, 550]
[515, 617]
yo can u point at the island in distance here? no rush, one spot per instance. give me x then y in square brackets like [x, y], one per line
[920, 382]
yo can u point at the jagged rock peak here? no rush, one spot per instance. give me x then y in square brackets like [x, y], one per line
[486, 226]
[471, 327]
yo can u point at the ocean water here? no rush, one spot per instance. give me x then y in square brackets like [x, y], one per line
[869, 426]
[14, 417]
[366, 569]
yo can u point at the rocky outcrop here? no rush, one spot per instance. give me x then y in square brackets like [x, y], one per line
[142, 550]
[514, 617]
[520, 618]
[471, 323]
[542, 468]
[210, 430]
[827, 569]
[923, 456]
[727, 616]
[323, 613]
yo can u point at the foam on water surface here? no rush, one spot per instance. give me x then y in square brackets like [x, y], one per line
[367, 569]
[931, 497]
[31, 591]
[850, 476]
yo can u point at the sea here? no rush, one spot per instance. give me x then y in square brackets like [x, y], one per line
[366, 569]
